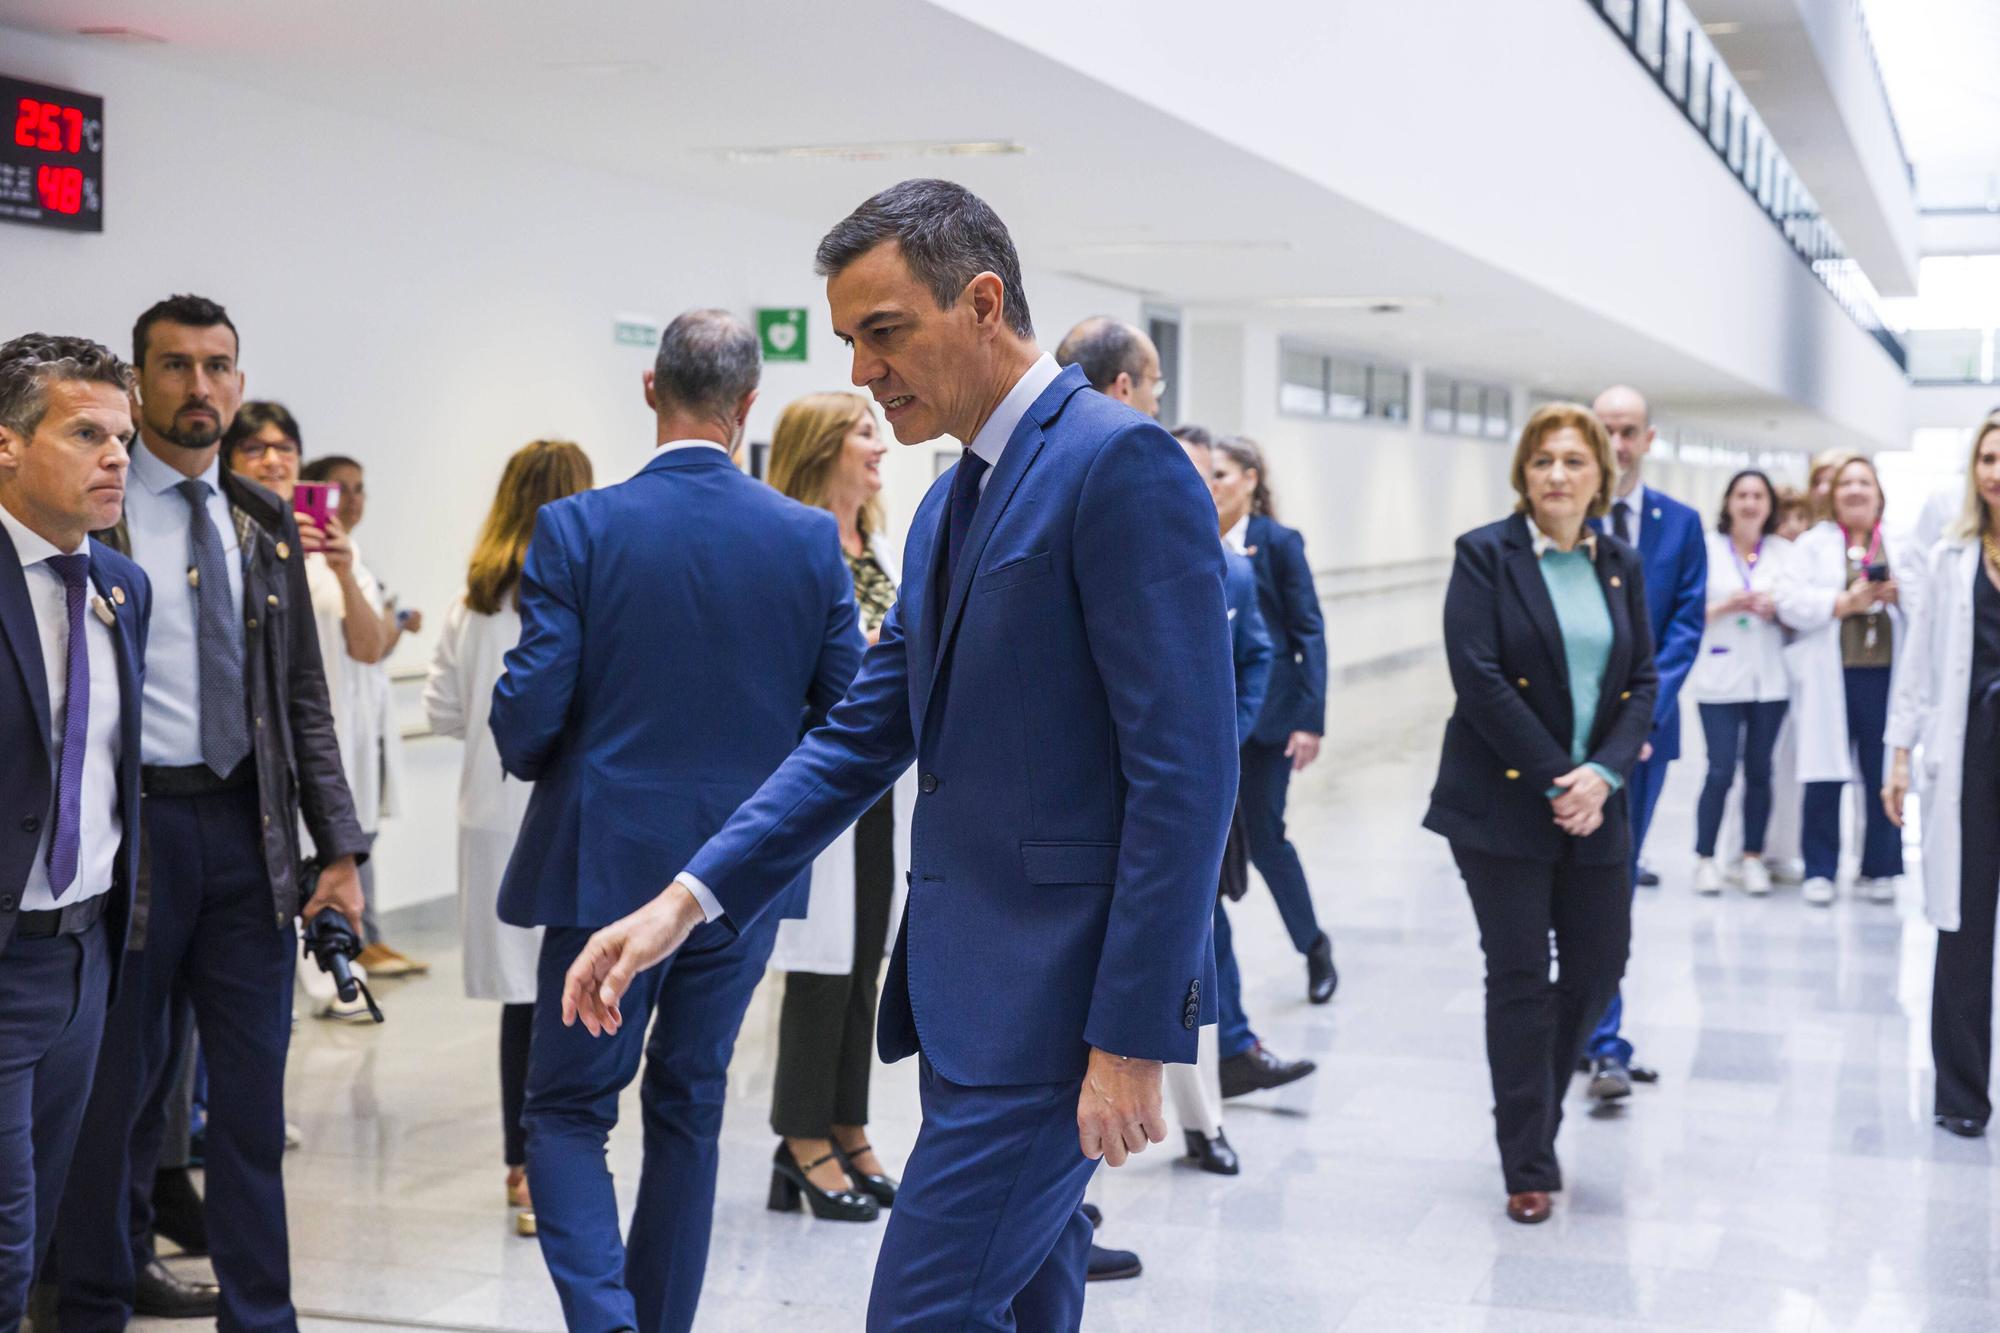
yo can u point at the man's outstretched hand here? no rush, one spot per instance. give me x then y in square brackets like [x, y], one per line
[598, 978]
[1119, 1111]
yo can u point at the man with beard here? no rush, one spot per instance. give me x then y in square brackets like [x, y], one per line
[235, 704]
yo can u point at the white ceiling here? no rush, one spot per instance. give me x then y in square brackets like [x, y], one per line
[1941, 62]
[1111, 189]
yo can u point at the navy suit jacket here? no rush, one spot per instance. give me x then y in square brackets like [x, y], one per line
[678, 631]
[1508, 739]
[1296, 697]
[27, 750]
[1674, 546]
[1250, 644]
[1072, 715]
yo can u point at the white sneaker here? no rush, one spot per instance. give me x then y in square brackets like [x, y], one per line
[1878, 890]
[1707, 879]
[1754, 876]
[1789, 871]
[1818, 891]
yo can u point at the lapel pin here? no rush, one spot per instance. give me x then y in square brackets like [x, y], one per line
[284, 550]
[194, 577]
[103, 611]
[1249, 550]
[1615, 582]
[118, 594]
[1656, 513]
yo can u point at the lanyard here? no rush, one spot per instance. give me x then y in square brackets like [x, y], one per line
[1857, 554]
[1744, 571]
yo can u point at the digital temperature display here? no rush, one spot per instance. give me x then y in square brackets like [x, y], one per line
[51, 156]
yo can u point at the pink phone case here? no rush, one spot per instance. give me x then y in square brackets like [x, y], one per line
[316, 500]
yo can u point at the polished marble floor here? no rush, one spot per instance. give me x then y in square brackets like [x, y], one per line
[1784, 1174]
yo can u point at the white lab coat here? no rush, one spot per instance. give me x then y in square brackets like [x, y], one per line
[363, 702]
[1928, 711]
[1742, 663]
[822, 940]
[1816, 574]
[458, 698]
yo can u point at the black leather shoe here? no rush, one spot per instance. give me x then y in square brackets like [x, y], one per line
[178, 1213]
[1321, 978]
[882, 1189]
[1643, 1073]
[790, 1184]
[1648, 878]
[1093, 1215]
[1111, 1265]
[1963, 1126]
[158, 1294]
[1258, 1068]
[1214, 1155]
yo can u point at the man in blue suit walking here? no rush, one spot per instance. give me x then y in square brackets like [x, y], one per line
[678, 631]
[73, 619]
[1058, 667]
[1669, 538]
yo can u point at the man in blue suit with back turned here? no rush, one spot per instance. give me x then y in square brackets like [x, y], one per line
[1670, 540]
[73, 618]
[678, 631]
[1058, 668]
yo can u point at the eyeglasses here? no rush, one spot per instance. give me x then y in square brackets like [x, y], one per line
[256, 449]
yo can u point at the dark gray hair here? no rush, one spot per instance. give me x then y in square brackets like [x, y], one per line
[708, 360]
[1198, 436]
[1106, 348]
[948, 236]
[34, 361]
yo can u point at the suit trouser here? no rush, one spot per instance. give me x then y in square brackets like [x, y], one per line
[1232, 1035]
[52, 997]
[826, 1026]
[988, 1231]
[1962, 983]
[1642, 794]
[210, 931]
[651, 1281]
[1867, 690]
[1266, 777]
[1535, 1027]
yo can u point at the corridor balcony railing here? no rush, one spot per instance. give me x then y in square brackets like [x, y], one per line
[1667, 41]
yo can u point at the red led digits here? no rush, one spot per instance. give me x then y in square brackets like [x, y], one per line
[60, 188]
[48, 127]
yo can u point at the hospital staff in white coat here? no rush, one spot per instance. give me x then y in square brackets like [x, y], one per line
[1947, 711]
[484, 623]
[1843, 600]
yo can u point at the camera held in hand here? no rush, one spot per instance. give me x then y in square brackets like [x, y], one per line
[331, 942]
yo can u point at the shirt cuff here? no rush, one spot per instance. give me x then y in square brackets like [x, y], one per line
[1605, 773]
[710, 908]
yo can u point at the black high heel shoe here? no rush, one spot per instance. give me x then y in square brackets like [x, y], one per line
[790, 1183]
[880, 1188]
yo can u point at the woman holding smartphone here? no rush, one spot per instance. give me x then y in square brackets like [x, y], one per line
[1842, 597]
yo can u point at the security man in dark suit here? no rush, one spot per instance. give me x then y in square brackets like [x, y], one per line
[73, 618]
[237, 741]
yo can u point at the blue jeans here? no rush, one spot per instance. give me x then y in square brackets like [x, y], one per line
[1748, 731]
[1232, 1033]
[1882, 842]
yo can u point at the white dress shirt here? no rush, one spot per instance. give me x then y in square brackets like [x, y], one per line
[98, 827]
[989, 444]
[157, 520]
[1238, 537]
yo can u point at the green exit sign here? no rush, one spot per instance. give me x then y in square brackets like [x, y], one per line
[783, 333]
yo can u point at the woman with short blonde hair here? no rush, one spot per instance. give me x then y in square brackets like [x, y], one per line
[1546, 421]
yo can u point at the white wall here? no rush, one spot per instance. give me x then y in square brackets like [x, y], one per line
[424, 304]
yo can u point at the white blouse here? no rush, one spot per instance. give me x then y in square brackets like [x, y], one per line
[1742, 657]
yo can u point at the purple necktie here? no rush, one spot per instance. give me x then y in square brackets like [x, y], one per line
[67, 839]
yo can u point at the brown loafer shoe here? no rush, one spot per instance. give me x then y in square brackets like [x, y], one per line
[1529, 1208]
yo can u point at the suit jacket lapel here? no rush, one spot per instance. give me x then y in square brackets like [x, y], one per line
[917, 597]
[128, 666]
[1022, 448]
[1618, 665]
[1526, 572]
[17, 621]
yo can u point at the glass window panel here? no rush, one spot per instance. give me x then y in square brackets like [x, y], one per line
[1347, 396]
[1389, 394]
[1499, 413]
[1437, 404]
[1468, 411]
[1302, 383]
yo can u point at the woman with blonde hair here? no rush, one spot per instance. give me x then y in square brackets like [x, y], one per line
[827, 452]
[1947, 710]
[1844, 600]
[483, 624]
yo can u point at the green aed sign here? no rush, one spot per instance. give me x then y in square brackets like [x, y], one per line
[783, 333]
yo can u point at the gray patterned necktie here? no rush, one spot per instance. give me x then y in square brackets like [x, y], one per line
[225, 721]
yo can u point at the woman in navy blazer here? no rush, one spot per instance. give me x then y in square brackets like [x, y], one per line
[1551, 654]
[1287, 735]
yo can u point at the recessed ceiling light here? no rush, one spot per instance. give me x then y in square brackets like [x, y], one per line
[123, 34]
[601, 67]
[1184, 247]
[874, 152]
[1724, 29]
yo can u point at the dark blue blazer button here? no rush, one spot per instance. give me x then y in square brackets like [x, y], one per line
[930, 783]
[31, 824]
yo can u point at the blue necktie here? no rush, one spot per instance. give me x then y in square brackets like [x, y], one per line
[958, 517]
[225, 720]
[66, 840]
